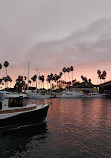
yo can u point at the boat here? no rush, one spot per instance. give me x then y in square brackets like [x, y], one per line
[34, 95]
[4, 94]
[74, 94]
[14, 111]
[95, 95]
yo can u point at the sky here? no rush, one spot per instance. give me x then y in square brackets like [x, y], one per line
[53, 34]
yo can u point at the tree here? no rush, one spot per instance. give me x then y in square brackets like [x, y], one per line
[84, 78]
[34, 78]
[0, 66]
[101, 75]
[42, 79]
[6, 64]
[64, 70]
[71, 69]
[48, 79]
[20, 84]
[68, 70]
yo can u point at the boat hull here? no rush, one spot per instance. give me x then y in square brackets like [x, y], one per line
[25, 118]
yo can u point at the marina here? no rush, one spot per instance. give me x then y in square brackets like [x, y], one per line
[55, 79]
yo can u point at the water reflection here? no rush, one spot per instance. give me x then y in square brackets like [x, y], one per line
[82, 124]
[15, 141]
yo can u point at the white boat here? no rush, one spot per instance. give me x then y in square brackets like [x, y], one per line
[34, 95]
[39, 96]
[6, 94]
[75, 94]
[14, 111]
[95, 95]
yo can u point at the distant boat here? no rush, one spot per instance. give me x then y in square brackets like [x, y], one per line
[14, 111]
[95, 95]
[34, 95]
[68, 94]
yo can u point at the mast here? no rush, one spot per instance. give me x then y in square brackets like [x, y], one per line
[36, 80]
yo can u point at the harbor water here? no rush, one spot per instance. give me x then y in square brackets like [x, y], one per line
[73, 128]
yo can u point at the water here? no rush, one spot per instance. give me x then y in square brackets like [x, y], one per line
[73, 128]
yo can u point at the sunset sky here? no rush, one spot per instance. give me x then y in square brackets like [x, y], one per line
[52, 34]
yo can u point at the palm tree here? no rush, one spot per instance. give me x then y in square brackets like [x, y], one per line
[34, 78]
[8, 78]
[99, 74]
[104, 75]
[68, 70]
[0, 66]
[84, 78]
[48, 79]
[42, 79]
[71, 69]
[64, 70]
[6, 64]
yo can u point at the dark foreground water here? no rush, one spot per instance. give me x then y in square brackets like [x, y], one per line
[74, 128]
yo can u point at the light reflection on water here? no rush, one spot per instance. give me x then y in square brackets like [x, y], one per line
[74, 128]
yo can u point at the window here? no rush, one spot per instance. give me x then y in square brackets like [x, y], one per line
[16, 102]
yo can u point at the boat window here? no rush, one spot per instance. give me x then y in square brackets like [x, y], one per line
[0, 105]
[16, 102]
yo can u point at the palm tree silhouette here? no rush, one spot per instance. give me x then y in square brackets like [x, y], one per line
[99, 74]
[48, 79]
[64, 70]
[71, 69]
[68, 70]
[6, 64]
[1, 79]
[42, 79]
[0, 66]
[8, 79]
[84, 79]
[34, 78]
[104, 75]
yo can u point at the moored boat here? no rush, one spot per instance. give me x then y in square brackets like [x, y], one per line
[34, 95]
[15, 111]
[74, 94]
[95, 95]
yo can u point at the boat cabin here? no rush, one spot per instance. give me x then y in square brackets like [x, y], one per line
[12, 102]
